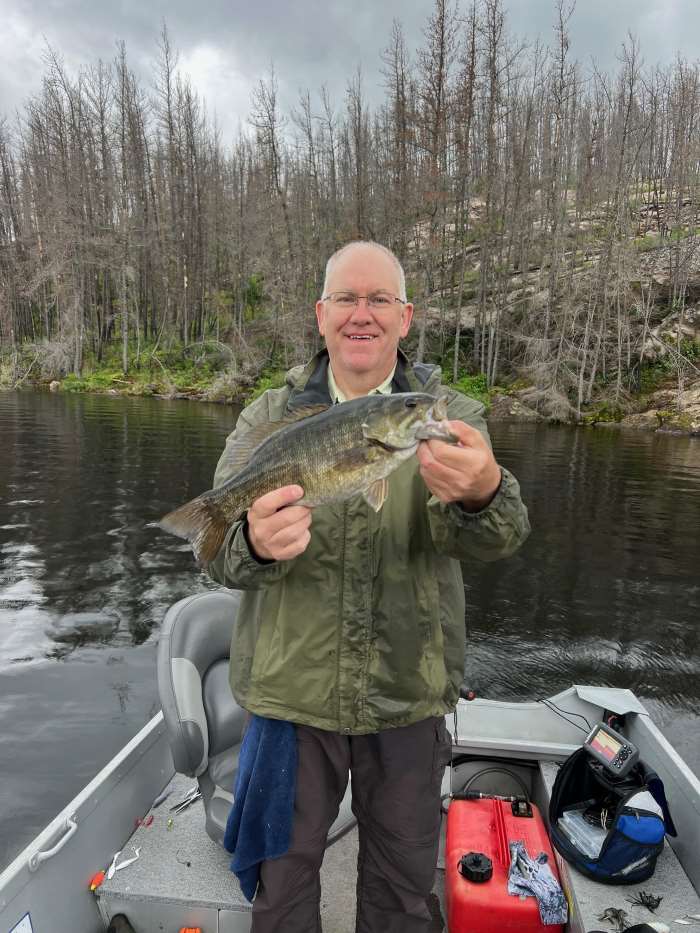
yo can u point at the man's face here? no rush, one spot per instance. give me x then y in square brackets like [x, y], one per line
[362, 341]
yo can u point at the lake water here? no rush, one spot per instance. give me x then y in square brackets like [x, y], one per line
[606, 591]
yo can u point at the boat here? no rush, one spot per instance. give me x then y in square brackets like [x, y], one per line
[170, 871]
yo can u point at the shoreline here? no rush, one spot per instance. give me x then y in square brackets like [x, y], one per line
[501, 406]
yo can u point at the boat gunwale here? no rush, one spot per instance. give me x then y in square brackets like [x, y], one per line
[84, 803]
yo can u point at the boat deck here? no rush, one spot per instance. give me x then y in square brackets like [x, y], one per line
[182, 878]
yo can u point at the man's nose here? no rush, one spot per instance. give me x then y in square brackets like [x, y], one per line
[362, 310]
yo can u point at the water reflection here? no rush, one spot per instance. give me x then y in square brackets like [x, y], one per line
[74, 535]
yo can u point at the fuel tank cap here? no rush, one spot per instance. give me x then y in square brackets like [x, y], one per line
[476, 867]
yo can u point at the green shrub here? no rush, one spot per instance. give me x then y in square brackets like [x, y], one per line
[269, 379]
[72, 383]
[474, 386]
[651, 377]
[604, 412]
[643, 244]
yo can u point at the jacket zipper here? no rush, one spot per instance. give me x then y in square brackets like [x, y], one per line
[372, 530]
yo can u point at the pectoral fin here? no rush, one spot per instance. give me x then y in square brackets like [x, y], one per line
[377, 493]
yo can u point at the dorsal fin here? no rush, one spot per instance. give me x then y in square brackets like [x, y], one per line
[237, 454]
[306, 411]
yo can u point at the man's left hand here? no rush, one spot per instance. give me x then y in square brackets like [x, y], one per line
[465, 472]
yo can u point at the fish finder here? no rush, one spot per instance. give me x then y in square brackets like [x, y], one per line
[611, 749]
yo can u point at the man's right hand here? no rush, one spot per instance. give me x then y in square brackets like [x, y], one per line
[278, 530]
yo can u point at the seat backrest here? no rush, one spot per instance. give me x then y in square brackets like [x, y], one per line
[203, 722]
[201, 716]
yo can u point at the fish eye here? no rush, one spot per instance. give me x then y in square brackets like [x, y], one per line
[410, 403]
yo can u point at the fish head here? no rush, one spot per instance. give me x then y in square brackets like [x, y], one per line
[399, 421]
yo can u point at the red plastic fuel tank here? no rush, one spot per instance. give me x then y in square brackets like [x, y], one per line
[487, 826]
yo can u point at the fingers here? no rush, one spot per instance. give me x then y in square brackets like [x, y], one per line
[469, 440]
[285, 524]
[434, 472]
[466, 434]
[290, 541]
[278, 530]
[442, 481]
[466, 472]
[277, 499]
[278, 520]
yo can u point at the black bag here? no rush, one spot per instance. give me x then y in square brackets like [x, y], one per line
[632, 836]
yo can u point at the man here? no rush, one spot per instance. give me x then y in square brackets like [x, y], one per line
[352, 623]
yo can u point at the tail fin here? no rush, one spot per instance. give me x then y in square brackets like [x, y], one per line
[202, 523]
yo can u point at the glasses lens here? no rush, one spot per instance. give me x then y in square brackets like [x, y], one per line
[344, 299]
[380, 301]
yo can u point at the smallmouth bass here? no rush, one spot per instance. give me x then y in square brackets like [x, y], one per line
[333, 453]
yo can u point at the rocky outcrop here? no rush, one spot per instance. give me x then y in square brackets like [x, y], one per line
[648, 420]
[670, 412]
[508, 408]
[662, 339]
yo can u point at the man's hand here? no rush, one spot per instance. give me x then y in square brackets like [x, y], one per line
[466, 472]
[278, 530]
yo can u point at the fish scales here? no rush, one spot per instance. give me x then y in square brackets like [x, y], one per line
[319, 457]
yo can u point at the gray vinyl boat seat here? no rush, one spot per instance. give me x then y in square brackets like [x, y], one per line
[204, 723]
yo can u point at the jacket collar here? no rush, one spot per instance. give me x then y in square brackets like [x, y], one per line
[310, 385]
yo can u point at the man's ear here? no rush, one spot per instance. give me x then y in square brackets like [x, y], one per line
[321, 318]
[406, 318]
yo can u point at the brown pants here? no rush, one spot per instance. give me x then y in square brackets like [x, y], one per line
[396, 778]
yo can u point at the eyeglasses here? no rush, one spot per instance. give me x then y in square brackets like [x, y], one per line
[378, 301]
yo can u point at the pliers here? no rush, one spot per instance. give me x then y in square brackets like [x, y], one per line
[193, 794]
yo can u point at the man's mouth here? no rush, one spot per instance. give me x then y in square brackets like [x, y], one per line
[361, 336]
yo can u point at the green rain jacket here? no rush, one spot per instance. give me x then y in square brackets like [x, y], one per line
[365, 630]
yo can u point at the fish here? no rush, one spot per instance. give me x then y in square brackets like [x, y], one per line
[333, 452]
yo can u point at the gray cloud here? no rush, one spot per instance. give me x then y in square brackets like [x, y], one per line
[226, 48]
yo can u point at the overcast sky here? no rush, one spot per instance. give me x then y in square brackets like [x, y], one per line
[227, 47]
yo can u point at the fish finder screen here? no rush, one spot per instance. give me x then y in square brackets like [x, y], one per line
[605, 744]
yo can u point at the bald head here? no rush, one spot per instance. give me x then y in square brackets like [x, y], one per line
[367, 245]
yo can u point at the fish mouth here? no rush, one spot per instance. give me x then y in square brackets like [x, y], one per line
[439, 409]
[436, 426]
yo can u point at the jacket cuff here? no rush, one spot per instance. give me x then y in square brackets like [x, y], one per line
[507, 497]
[496, 531]
[244, 564]
[245, 527]
[237, 567]
[459, 511]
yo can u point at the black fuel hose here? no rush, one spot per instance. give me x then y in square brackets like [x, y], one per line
[462, 795]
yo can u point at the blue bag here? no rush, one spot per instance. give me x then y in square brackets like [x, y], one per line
[634, 820]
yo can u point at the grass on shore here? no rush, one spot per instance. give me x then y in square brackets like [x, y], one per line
[170, 372]
[207, 375]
